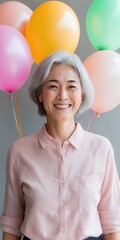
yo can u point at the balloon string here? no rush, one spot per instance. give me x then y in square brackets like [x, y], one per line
[81, 122]
[19, 117]
[90, 119]
[14, 114]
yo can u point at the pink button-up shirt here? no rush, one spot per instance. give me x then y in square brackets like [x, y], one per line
[56, 192]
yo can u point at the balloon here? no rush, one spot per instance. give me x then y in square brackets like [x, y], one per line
[103, 68]
[15, 14]
[52, 26]
[103, 24]
[15, 59]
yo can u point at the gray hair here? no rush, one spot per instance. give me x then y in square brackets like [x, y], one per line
[43, 69]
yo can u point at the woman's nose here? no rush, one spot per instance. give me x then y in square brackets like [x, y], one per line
[62, 94]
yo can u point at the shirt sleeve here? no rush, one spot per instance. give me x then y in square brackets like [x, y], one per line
[109, 206]
[13, 214]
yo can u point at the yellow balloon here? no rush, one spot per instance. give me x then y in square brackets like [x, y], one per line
[52, 26]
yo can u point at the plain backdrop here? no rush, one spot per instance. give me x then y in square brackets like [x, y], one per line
[108, 124]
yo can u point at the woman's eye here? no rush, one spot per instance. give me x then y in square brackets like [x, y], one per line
[72, 86]
[53, 86]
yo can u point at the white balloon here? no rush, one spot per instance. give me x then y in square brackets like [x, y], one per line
[103, 68]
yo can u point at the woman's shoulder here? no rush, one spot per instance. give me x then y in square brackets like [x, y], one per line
[25, 142]
[98, 140]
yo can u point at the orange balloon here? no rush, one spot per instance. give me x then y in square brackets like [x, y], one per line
[52, 26]
[15, 14]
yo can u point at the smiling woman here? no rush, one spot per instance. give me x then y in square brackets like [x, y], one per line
[74, 63]
[62, 182]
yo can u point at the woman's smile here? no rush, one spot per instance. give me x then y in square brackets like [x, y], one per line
[62, 106]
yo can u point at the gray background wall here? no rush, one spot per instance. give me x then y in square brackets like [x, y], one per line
[107, 125]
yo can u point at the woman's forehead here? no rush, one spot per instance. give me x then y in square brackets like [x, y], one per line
[63, 68]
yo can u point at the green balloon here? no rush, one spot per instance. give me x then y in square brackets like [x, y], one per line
[103, 24]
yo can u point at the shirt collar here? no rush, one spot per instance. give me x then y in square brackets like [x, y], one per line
[77, 136]
[75, 139]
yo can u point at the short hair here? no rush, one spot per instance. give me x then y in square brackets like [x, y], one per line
[43, 69]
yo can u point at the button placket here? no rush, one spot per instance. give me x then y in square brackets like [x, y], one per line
[62, 197]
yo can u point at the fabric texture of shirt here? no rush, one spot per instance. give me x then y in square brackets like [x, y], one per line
[67, 192]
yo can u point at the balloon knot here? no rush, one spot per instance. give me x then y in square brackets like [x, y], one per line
[97, 114]
[10, 96]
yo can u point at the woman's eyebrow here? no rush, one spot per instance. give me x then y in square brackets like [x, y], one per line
[52, 80]
[73, 81]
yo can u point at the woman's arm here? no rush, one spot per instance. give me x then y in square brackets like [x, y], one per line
[112, 236]
[9, 236]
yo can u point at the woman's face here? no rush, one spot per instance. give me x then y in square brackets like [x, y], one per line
[61, 93]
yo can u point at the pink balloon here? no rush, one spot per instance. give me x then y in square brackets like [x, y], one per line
[15, 14]
[15, 59]
[103, 67]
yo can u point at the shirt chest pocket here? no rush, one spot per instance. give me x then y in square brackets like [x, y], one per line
[89, 187]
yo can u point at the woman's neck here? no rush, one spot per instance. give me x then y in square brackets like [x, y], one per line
[61, 131]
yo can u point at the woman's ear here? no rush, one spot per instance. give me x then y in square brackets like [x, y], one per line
[40, 97]
[82, 97]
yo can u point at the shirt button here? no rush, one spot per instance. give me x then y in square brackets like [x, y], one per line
[62, 180]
